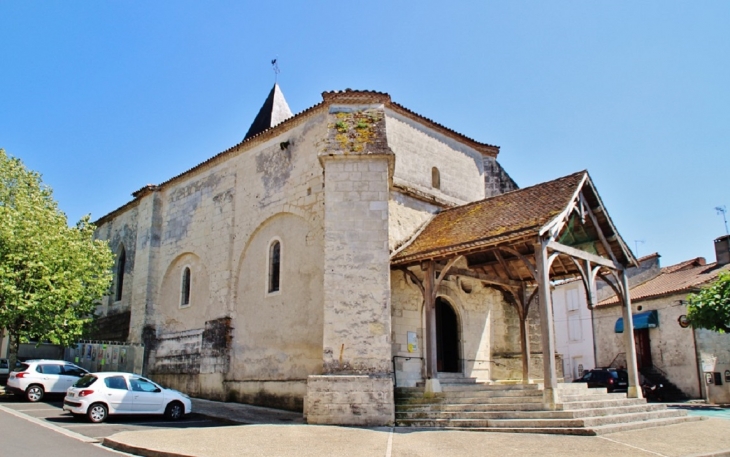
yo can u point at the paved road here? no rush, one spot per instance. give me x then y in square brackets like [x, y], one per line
[51, 412]
[23, 438]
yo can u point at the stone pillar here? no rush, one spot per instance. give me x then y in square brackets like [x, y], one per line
[356, 387]
[144, 284]
[634, 390]
[546, 326]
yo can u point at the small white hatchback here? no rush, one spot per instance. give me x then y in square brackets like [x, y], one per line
[97, 395]
[33, 379]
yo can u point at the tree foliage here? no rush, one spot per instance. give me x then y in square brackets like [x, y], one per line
[710, 307]
[51, 275]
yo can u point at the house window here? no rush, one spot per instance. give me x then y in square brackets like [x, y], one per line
[121, 261]
[274, 266]
[185, 288]
[435, 178]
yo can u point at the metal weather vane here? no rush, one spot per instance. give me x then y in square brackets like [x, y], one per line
[275, 67]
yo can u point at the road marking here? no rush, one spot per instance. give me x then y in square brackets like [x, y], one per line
[635, 447]
[45, 424]
[38, 409]
[389, 447]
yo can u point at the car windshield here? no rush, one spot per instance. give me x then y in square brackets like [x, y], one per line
[86, 381]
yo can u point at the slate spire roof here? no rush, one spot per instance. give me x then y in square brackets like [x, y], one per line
[274, 111]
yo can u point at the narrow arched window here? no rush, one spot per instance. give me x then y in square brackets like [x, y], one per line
[121, 261]
[185, 288]
[274, 265]
[435, 178]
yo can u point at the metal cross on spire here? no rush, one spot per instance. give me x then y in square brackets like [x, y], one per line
[275, 67]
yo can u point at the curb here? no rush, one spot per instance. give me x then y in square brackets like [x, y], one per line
[144, 452]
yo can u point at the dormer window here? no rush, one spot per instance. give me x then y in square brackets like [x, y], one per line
[435, 178]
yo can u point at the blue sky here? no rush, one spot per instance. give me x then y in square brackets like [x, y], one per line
[103, 98]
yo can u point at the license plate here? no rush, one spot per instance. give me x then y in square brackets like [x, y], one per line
[71, 394]
[622, 384]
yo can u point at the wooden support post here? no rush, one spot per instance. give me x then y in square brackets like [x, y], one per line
[429, 302]
[634, 390]
[525, 346]
[546, 326]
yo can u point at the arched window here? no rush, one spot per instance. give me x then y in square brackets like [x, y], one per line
[185, 288]
[121, 261]
[274, 265]
[435, 178]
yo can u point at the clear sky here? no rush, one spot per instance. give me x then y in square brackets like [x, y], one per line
[104, 97]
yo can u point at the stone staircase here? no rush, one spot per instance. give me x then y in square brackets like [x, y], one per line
[669, 392]
[467, 405]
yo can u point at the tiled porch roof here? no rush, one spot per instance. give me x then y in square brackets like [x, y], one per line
[517, 214]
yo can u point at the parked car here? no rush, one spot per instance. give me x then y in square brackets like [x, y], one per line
[4, 370]
[97, 395]
[612, 379]
[33, 379]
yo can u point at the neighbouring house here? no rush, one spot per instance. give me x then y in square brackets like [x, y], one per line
[574, 318]
[697, 361]
[335, 252]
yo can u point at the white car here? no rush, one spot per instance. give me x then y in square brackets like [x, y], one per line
[97, 395]
[35, 378]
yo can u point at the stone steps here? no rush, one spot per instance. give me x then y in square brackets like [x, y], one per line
[586, 431]
[425, 413]
[520, 409]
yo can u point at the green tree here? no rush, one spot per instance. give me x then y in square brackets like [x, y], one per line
[51, 275]
[710, 307]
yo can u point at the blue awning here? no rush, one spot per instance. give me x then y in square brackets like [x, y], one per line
[647, 319]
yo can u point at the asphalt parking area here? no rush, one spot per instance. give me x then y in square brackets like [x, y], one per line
[51, 411]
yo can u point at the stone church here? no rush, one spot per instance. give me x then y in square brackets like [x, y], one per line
[354, 246]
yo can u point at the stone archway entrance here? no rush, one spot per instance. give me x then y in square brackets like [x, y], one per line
[447, 338]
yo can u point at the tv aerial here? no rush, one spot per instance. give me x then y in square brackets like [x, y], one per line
[723, 210]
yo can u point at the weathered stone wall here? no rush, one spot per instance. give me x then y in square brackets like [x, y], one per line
[672, 347]
[489, 330]
[120, 232]
[506, 349]
[406, 215]
[418, 149]
[714, 353]
[218, 222]
[350, 399]
[496, 179]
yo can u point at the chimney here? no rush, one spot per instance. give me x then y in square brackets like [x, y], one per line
[722, 250]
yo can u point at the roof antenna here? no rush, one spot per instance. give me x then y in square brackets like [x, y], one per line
[723, 210]
[636, 243]
[275, 67]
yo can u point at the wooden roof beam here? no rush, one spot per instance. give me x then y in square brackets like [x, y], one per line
[573, 252]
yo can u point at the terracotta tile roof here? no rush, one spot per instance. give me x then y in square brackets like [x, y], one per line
[511, 215]
[680, 278]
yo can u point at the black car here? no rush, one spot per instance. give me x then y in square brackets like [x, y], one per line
[613, 380]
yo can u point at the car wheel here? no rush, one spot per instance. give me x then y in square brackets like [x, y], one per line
[174, 411]
[97, 413]
[34, 393]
